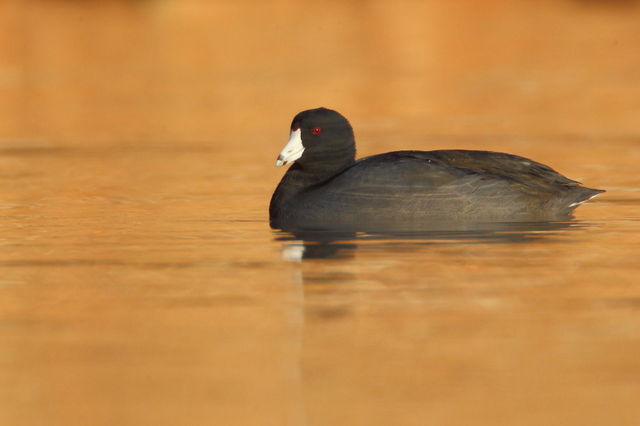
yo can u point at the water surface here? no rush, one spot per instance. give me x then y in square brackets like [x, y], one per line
[140, 283]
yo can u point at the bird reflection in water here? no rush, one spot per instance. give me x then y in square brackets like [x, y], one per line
[308, 245]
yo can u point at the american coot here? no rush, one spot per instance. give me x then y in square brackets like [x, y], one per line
[327, 189]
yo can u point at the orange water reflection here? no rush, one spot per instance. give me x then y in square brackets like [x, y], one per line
[140, 282]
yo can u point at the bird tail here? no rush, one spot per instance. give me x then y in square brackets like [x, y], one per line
[582, 195]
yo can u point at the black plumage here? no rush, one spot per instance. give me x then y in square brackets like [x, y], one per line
[327, 189]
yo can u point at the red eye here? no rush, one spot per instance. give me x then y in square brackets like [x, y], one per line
[316, 131]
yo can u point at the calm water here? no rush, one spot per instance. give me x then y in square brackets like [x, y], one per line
[140, 283]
